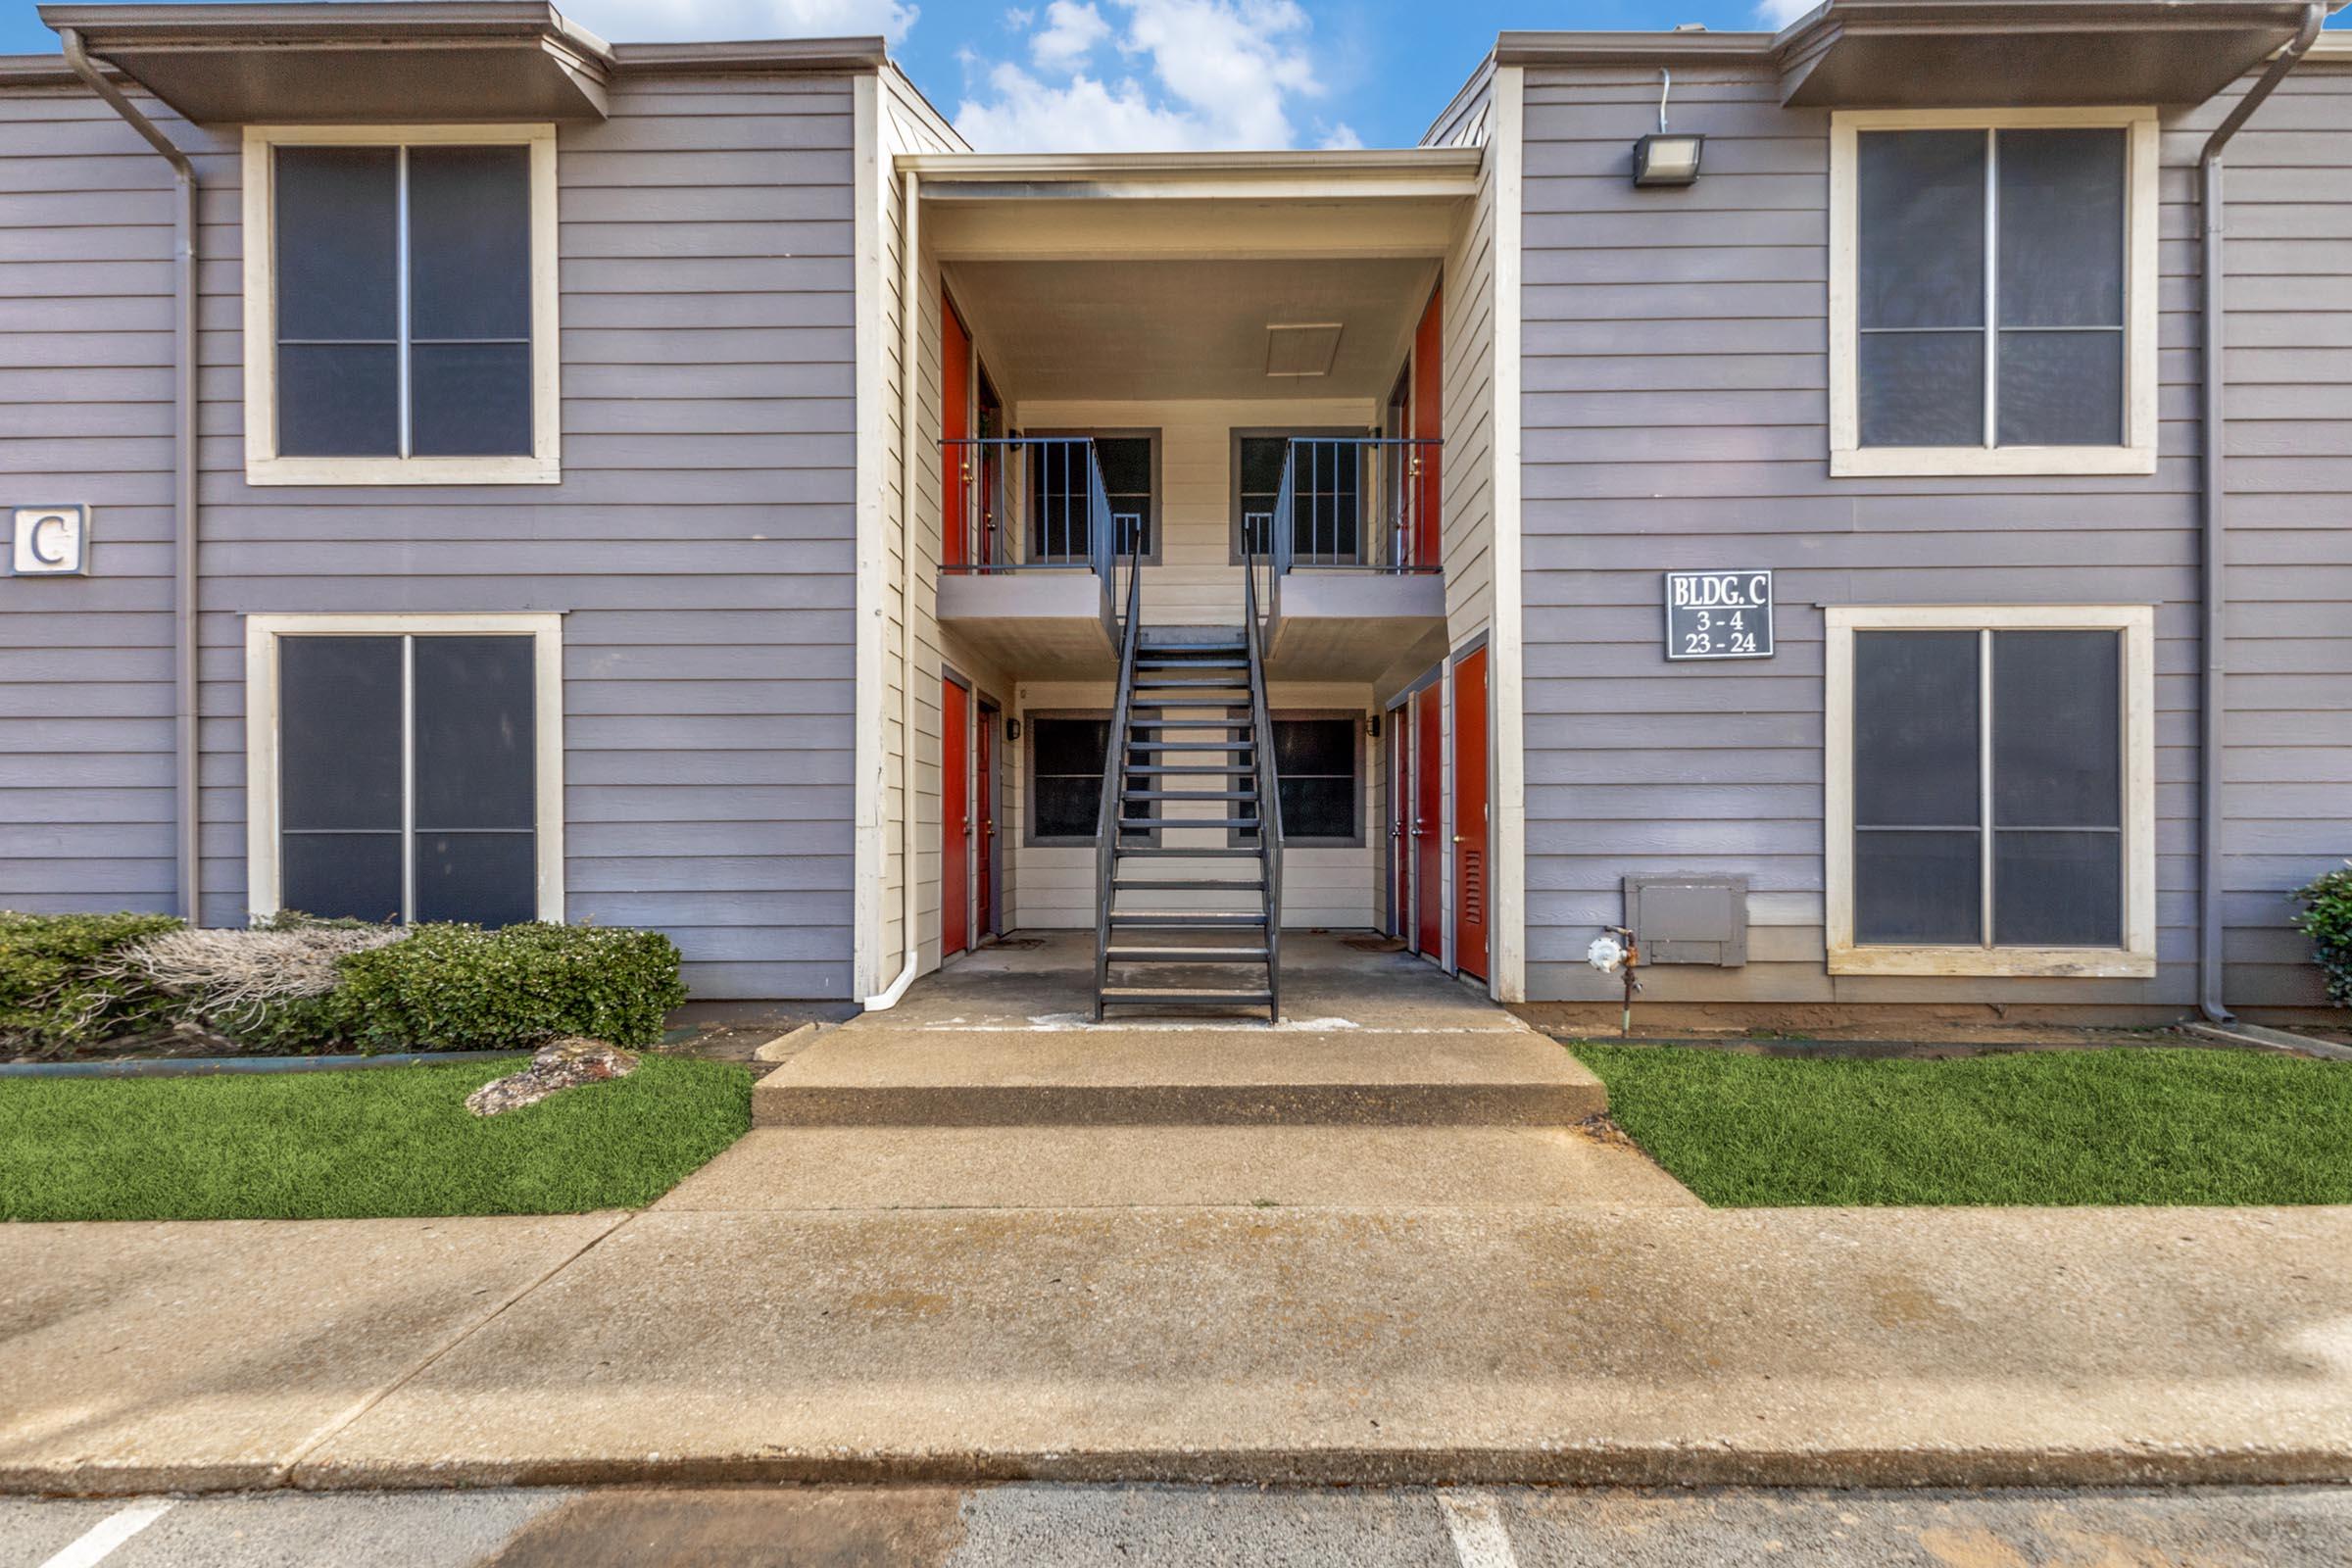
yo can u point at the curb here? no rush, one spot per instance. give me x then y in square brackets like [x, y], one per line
[210, 1066]
[1577, 1464]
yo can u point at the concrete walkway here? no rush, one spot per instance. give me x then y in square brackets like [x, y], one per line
[1590, 1344]
[1402, 1274]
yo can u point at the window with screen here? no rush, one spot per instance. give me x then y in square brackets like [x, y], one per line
[405, 333]
[1991, 288]
[1991, 785]
[1317, 770]
[1060, 526]
[1326, 495]
[1065, 779]
[406, 777]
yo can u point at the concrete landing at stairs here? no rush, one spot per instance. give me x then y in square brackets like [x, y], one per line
[877, 1076]
[1004, 1038]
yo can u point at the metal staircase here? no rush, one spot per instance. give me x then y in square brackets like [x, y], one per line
[1190, 724]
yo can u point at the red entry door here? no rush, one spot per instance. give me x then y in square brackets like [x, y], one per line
[1470, 792]
[1401, 822]
[984, 807]
[955, 823]
[1429, 824]
[955, 425]
[1429, 425]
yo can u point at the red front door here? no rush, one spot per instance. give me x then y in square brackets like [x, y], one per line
[984, 808]
[1429, 425]
[1401, 822]
[1470, 858]
[955, 425]
[992, 425]
[955, 823]
[1429, 824]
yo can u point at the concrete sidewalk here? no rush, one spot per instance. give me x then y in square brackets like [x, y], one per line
[1645, 1344]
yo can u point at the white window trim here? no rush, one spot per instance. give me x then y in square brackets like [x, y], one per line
[2136, 958]
[262, 636]
[263, 465]
[1848, 458]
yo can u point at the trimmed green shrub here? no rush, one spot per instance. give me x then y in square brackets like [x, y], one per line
[462, 987]
[52, 999]
[65, 981]
[2326, 919]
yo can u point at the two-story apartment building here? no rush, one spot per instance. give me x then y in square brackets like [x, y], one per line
[1866, 506]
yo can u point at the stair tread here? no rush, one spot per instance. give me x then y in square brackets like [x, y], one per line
[1166, 995]
[1188, 795]
[1187, 955]
[1183, 918]
[1183, 885]
[1191, 772]
[1164, 852]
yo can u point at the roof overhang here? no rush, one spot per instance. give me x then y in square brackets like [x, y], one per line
[1955, 53]
[1257, 204]
[351, 62]
[1966, 54]
[1353, 174]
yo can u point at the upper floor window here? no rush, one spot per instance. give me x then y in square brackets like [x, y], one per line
[1994, 292]
[1061, 487]
[1325, 471]
[400, 305]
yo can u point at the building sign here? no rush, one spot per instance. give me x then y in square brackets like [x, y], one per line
[51, 541]
[1719, 615]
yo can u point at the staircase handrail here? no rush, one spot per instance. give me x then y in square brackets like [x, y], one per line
[1114, 767]
[1269, 784]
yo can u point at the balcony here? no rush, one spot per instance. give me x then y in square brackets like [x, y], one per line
[1354, 581]
[1038, 596]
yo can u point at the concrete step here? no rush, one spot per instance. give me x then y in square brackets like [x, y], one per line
[776, 1169]
[1125, 1073]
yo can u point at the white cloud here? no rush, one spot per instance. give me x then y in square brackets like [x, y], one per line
[1186, 73]
[1780, 13]
[1068, 36]
[669, 20]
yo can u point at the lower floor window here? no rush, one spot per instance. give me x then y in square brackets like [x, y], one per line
[1316, 771]
[1990, 784]
[408, 780]
[1066, 760]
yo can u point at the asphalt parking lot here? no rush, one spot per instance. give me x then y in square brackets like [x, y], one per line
[1142, 1526]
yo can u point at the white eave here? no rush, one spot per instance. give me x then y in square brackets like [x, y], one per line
[1353, 173]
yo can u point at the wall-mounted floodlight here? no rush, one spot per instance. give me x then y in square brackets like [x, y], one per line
[1662, 157]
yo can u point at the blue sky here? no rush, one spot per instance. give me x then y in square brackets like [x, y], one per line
[1132, 74]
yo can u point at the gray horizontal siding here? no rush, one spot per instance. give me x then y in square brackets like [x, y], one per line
[1673, 411]
[702, 541]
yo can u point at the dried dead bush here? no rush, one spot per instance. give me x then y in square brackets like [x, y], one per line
[235, 976]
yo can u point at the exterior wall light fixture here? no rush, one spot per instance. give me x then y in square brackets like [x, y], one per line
[1662, 157]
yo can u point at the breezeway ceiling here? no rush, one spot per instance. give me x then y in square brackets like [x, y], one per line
[1127, 330]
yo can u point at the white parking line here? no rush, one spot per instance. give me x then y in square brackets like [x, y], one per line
[1474, 1521]
[99, 1541]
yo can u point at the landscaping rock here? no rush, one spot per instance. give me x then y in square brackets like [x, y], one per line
[557, 1064]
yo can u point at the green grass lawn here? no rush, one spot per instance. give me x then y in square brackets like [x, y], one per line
[2129, 1125]
[352, 1144]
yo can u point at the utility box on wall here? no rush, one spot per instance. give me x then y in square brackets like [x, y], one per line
[1689, 919]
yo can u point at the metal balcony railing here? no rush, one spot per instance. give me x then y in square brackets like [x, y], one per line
[1038, 503]
[1030, 502]
[1359, 503]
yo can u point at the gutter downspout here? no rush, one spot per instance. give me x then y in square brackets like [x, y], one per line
[2216, 522]
[910, 338]
[183, 464]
